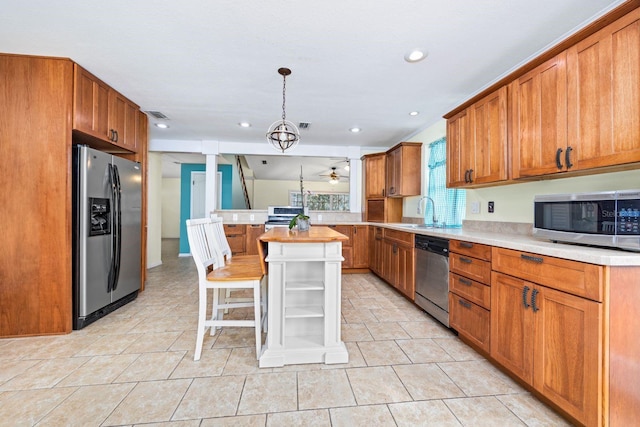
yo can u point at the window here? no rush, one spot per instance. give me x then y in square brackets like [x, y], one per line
[450, 205]
[321, 201]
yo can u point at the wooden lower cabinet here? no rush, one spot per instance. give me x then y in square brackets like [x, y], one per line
[470, 320]
[550, 339]
[376, 238]
[360, 246]
[251, 242]
[470, 291]
[392, 259]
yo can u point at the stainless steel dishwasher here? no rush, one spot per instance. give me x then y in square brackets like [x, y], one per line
[432, 276]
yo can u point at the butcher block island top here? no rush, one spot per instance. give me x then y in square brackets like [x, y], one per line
[304, 296]
[315, 234]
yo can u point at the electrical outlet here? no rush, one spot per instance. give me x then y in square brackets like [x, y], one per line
[235, 217]
[252, 217]
[475, 207]
[490, 207]
[319, 217]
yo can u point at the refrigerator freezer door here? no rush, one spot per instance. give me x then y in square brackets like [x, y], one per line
[94, 251]
[130, 217]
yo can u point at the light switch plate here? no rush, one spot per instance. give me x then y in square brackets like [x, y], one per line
[475, 207]
[319, 217]
[252, 217]
[235, 217]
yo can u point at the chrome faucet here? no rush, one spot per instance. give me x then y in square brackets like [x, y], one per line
[433, 205]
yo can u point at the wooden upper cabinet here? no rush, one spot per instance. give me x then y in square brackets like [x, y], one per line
[374, 173]
[603, 75]
[122, 120]
[477, 142]
[539, 119]
[101, 112]
[404, 163]
[90, 104]
[459, 146]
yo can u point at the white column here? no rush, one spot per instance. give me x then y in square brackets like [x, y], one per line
[355, 185]
[210, 182]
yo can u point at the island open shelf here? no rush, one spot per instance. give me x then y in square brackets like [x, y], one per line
[304, 291]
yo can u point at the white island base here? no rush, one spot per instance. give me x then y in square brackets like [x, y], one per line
[305, 280]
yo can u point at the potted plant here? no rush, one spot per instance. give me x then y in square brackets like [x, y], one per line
[301, 220]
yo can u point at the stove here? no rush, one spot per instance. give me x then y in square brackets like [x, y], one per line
[280, 216]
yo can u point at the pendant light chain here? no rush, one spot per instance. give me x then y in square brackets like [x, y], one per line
[284, 89]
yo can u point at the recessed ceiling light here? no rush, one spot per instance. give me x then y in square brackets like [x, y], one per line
[355, 130]
[162, 125]
[244, 124]
[415, 55]
[414, 113]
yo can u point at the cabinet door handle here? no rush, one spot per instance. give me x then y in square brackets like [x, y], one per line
[464, 281]
[465, 260]
[467, 245]
[567, 157]
[470, 176]
[525, 290]
[534, 296]
[383, 191]
[466, 176]
[536, 259]
[392, 190]
[464, 303]
[558, 162]
[395, 248]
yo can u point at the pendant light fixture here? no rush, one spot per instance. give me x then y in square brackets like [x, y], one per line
[283, 134]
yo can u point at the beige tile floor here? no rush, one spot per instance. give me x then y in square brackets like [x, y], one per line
[135, 367]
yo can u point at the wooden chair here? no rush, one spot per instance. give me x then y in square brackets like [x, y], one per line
[214, 275]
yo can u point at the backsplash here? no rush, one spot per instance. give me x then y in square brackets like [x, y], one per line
[522, 228]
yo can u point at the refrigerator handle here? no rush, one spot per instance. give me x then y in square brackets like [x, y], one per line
[114, 208]
[118, 226]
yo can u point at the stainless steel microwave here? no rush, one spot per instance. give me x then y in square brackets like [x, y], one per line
[608, 218]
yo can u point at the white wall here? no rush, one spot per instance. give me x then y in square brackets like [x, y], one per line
[276, 193]
[171, 208]
[154, 209]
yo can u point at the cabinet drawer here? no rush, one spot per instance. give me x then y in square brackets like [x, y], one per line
[475, 250]
[471, 290]
[234, 229]
[470, 320]
[236, 243]
[577, 278]
[470, 267]
[399, 236]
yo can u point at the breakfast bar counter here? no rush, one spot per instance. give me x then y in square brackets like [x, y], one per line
[304, 291]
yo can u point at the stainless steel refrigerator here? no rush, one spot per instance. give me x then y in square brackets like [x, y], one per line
[107, 205]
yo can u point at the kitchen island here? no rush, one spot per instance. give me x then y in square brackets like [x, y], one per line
[304, 291]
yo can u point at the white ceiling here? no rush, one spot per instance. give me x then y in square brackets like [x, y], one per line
[209, 65]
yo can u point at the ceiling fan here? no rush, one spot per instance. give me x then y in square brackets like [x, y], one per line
[334, 178]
